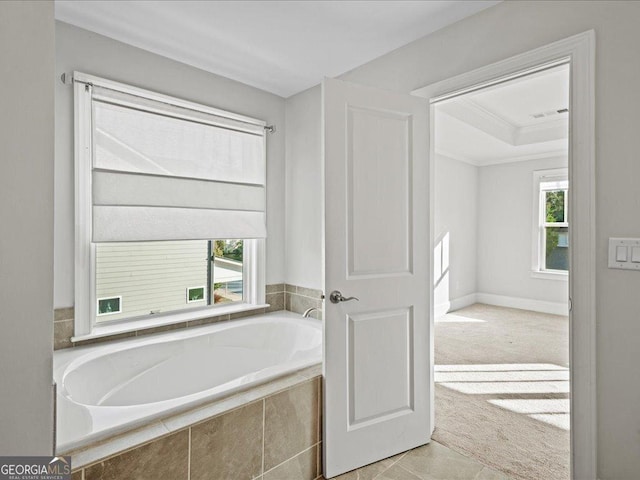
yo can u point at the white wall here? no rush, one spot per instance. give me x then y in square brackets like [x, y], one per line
[505, 222]
[511, 28]
[81, 50]
[455, 227]
[26, 216]
[304, 197]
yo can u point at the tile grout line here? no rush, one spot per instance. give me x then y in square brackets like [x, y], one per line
[319, 437]
[402, 455]
[291, 458]
[264, 421]
[189, 457]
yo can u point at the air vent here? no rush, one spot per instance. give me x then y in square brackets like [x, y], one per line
[550, 113]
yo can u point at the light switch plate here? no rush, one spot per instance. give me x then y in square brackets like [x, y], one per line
[632, 245]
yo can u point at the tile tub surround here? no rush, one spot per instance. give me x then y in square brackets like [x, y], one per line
[269, 432]
[64, 317]
[298, 299]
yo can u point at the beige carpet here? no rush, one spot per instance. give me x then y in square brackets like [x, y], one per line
[502, 389]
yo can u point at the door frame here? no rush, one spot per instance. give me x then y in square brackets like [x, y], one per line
[579, 50]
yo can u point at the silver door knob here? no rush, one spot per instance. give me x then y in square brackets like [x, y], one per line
[336, 297]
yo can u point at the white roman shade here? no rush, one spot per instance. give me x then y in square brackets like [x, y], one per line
[164, 171]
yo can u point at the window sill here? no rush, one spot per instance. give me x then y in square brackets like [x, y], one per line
[548, 275]
[100, 331]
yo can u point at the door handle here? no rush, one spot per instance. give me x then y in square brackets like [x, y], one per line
[336, 297]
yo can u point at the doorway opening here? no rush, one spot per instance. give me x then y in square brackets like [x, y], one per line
[501, 273]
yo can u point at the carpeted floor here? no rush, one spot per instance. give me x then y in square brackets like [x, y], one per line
[502, 389]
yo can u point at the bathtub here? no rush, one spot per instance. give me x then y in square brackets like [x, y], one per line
[106, 389]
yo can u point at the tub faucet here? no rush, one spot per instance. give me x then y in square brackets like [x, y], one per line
[309, 311]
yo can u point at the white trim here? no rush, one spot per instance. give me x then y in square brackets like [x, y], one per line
[550, 275]
[454, 304]
[541, 306]
[501, 161]
[181, 316]
[580, 51]
[538, 225]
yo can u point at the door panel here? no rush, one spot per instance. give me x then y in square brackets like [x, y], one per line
[378, 169]
[378, 350]
[371, 334]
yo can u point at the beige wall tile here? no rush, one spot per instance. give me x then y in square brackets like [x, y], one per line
[274, 288]
[290, 288]
[207, 321]
[291, 423]
[275, 301]
[228, 446]
[163, 328]
[164, 458]
[63, 314]
[62, 333]
[300, 303]
[249, 313]
[119, 336]
[300, 467]
[309, 292]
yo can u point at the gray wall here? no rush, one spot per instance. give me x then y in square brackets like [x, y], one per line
[515, 27]
[26, 215]
[455, 229]
[304, 242]
[505, 241]
[81, 50]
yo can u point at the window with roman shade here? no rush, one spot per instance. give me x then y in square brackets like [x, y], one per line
[153, 168]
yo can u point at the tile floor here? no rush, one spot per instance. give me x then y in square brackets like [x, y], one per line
[429, 462]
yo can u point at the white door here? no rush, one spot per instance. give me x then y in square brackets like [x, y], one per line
[378, 349]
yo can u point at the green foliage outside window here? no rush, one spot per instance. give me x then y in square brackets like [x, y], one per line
[555, 213]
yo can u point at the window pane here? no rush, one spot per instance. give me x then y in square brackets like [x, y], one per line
[150, 277]
[554, 201]
[228, 283]
[557, 248]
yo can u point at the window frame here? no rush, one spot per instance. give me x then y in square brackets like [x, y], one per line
[540, 224]
[86, 325]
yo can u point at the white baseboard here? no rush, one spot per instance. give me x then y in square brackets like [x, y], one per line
[523, 303]
[454, 304]
[461, 302]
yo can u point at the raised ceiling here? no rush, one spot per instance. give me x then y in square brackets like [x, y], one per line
[523, 119]
[282, 47]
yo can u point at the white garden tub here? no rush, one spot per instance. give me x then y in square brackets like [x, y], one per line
[109, 388]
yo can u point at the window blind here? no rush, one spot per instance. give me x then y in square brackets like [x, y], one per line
[165, 172]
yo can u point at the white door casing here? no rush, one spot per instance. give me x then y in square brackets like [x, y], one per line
[378, 351]
[579, 50]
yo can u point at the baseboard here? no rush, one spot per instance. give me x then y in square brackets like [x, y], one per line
[454, 304]
[523, 303]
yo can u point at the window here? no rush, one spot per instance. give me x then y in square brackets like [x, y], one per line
[551, 222]
[170, 209]
[109, 306]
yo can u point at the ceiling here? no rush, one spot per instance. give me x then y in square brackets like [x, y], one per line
[522, 119]
[282, 47]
